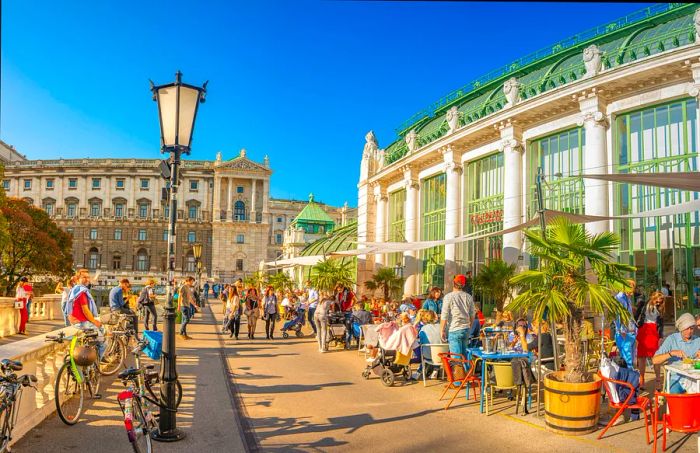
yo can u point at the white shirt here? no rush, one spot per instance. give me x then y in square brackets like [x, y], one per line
[285, 302]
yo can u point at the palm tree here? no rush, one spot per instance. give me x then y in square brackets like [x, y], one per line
[257, 279]
[577, 269]
[329, 273]
[280, 281]
[493, 281]
[385, 280]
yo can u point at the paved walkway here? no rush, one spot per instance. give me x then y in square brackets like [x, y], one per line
[34, 328]
[206, 413]
[296, 399]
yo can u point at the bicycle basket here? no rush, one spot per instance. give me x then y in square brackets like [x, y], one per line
[84, 355]
[155, 344]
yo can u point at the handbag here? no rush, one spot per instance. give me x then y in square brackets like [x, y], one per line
[19, 304]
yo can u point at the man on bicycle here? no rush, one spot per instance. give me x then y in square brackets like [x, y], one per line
[81, 309]
[117, 303]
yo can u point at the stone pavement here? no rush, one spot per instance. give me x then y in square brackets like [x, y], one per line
[297, 399]
[206, 413]
[34, 328]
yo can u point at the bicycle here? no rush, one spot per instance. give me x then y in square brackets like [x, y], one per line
[73, 378]
[151, 379]
[11, 387]
[118, 339]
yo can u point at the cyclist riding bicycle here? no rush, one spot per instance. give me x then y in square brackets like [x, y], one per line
[117, 303]
[81, 309]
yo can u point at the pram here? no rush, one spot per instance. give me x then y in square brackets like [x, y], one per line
[336, 329]
[387, 369]
[295, 324]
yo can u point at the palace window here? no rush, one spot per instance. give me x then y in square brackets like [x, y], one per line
[93, 234]
[192, 212]
[165, 235]
[278, 238]
[27, 184]
[239, 211]
[116, 262]
[190, 263]
[50, 184]
[72, 183]
[194, 185]
[397, 224]
[119, 210]
[433, 199]
[120, 184]
[143, 210]
[144, 183]
[96, 183]
[142, 235]
[239, 189]
[49, 207]
[117, 234]
[239, 264]
[95, 208]
[240, 239]
[93, 258]
[71, 209]
[6, 184]
[191, 236]
[142, 260]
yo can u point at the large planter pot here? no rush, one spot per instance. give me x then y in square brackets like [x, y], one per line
[571, 409]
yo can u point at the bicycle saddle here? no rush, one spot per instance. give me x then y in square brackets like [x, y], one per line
[14, 365]
[129, 373]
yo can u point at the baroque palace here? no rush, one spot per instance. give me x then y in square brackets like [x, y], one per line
[619, 98]
[117, 213]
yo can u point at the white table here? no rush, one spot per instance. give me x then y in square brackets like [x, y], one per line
[691, 375]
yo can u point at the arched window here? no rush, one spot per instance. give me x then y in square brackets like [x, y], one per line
[190, 262]
[142, 260]
[93, 258]
[239, 211]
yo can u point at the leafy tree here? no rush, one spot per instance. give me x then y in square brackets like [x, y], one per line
[576, 269]
[257, 279]
[493, 281]
[280, 281]
[329, 273]
[387, 281]
[34, 245]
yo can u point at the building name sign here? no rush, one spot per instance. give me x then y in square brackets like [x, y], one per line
[487, 217]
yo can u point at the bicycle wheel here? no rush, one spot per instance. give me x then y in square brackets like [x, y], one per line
[93, 375]
[142, 431]
[5, 416]
[68, 395]
[153, 388]
[114, 356]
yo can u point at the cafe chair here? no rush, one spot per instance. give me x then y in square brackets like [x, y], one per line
[430, 355]
[682, 414]
[449, 359]
[503, 372]
[643, 403]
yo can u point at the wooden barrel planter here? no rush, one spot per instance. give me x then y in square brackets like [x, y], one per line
[571, 409]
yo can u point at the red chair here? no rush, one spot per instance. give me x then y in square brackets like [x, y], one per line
[642, 404]
[448, 360]
[682, 414]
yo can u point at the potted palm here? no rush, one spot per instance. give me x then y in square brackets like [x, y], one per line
[329, 273]
[387, 281]
[493, 281]
[577, 271]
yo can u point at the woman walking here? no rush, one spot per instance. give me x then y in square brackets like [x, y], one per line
[321, 321]
[235, 310]
[648, 318]
[270, 312]
[252, 311]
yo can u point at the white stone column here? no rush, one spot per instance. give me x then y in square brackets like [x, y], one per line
[254, 201]
[380, 200]
[229, 197]
[216, 203]
[595, 161]
[266, 200]
[410, 258]
[513, 196]
[453, 209]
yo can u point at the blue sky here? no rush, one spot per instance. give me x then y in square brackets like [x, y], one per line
[301, 81]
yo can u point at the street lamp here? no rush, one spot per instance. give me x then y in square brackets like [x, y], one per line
[177, 111]
[197, 252]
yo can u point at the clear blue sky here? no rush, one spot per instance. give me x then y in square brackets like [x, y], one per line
[300, 81]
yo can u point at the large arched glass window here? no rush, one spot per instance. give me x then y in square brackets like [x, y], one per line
[93, 258]
[239, 211]
[142, 260]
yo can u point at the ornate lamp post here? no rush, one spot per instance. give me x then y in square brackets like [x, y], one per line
[177, 111]
[197, 252]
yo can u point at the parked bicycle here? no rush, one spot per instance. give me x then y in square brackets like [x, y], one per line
[78, 372]
[11, 387]
[150, 379]
[118, 339]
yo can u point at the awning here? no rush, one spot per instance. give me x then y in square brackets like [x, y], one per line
[683, 180]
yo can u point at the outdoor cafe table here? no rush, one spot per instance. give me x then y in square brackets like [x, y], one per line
[691, 375]
[478, 352]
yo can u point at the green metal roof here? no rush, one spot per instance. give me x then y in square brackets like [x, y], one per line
[640, 34]
[313, 214]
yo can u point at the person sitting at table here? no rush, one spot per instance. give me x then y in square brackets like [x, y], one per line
[428, 333]
[504, 318]
[434, 302]
[521, 339]
[546, 353]
[678, 346]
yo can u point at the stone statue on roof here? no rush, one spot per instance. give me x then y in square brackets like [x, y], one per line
[411, 140]
[696, 21]
[511, 88]
[452, 118]
[371, 146]
[592, 60]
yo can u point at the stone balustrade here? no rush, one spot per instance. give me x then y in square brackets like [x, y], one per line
[42, 308]
[42, 359]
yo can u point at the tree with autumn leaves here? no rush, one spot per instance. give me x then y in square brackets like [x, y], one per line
[31, 244]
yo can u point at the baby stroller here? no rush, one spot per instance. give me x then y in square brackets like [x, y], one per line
[336, 329]
[294, 324]
[385, 366]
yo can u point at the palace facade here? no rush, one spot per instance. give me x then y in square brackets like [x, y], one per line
[117, 213]
[620, 98]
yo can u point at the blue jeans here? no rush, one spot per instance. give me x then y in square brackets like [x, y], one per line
[186, 316]
[458, 341]
[312, 310]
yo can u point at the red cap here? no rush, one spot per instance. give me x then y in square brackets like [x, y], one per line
[460, 280]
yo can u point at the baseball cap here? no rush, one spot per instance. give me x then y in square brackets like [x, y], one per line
[460, 280]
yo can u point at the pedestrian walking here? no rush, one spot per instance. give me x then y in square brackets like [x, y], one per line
[252, 310]
[458, 312]
[270, 312]
[312, 298]
[186, 305]
[23, 295]
[321, 321]
[206, 291]
[147, 300]
[235, 309]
